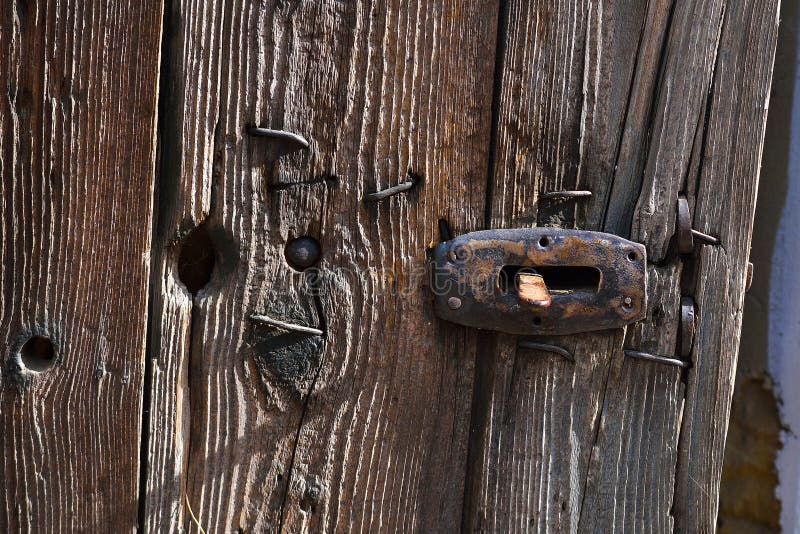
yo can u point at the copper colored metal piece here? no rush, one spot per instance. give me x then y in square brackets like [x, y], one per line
[688, 326]
[532, 289]
[749, 280]
[596, 281]
[684, 227]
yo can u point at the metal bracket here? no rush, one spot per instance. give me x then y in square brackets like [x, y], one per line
[540, 281]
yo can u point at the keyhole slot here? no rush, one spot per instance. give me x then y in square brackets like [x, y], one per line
[558, 279]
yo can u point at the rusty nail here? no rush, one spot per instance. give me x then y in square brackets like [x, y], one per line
[298, 140]
[656, 358]
[684, 230]
[302, 252]
[749, 280]
[711, 240]
[386, 193]
[555, 349]
[688, 325]
[454, 303]
[283, 325]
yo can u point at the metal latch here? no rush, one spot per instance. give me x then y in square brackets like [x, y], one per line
[540, 281]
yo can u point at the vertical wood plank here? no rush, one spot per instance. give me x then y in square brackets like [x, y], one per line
[77, 148]
[364, 428]
[565, 82]
[726, 189]
[631, 479]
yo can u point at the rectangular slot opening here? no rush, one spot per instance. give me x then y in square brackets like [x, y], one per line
[558, 279]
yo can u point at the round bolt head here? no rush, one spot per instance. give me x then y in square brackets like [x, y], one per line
[454, 303]
[303, 252]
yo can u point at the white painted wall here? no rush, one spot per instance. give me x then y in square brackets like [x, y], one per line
[784, 325]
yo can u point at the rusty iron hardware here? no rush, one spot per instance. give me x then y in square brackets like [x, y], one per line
[685, 233]
[539, 281]
[749, 277]
[656, 358]
[688, 326]
[546, 347]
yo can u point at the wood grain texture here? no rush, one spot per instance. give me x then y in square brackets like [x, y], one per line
[366, 428]
[77, 149]
[631, 479]
[563, 100]
[729, 169]
[370, 427]
[688, 60]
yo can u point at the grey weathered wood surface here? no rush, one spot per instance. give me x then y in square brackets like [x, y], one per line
[365, 429]
[571, 140]
[393, 420]
[77, 149]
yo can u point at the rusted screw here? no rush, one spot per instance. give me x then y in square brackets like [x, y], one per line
[454, 303]
[303, 252]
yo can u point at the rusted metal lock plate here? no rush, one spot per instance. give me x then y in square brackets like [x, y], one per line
[540, 281]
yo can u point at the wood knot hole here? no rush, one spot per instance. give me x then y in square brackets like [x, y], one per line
[38, 354]
[196, 260]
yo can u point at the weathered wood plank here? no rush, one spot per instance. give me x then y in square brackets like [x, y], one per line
[687, 70]
[366, 428]
[667, 97]
[77, 150]
[631, 478]
[565, 75]
[725, 203]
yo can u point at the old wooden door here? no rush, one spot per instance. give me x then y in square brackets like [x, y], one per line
[165, 349]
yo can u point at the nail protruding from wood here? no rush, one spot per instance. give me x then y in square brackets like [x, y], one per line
[296, 140]
[390, 191]
[656, 358]
[710, 239]
[684, 232]
[566, 194]
[688, 326]
[283, 325]
[546, 347]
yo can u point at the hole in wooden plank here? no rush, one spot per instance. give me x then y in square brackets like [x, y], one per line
[38, 354]
[196, 261]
